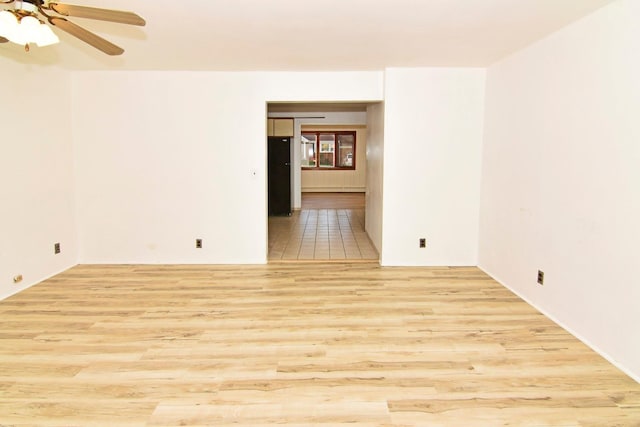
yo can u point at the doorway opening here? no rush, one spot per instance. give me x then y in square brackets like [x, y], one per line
[328, 184]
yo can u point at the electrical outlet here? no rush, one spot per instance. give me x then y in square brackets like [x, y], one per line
[198, 243]
[17, 279]
[56, 248]
[540, 277]
[423, 243]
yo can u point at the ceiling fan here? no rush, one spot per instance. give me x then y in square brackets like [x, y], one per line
[22, 24]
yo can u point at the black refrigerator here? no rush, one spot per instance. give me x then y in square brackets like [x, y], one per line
[279, 175]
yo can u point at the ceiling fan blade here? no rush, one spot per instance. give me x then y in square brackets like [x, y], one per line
[3, 40]
[122, 17]
[86, 36]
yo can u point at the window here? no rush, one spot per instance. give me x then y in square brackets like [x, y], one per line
[308, 153]
[328, 150]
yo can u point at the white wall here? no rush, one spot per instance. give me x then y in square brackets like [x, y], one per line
[432, 154]
[36, 181]
[164, 158]
[375, 168]
[561, 179]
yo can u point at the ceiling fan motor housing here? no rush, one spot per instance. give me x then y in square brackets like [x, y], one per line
[30, 6]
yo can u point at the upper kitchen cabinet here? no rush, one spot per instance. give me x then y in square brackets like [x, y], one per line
[279, 127]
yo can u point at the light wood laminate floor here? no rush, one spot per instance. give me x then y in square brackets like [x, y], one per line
[295, 344]
[330, 226]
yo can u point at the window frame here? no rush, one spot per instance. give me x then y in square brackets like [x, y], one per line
[336, 149]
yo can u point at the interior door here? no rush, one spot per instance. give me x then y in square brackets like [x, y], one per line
[279, 173]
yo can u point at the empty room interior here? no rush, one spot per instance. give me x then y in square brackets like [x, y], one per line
[320, 213]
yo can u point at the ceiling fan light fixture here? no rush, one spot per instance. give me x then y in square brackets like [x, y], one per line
[27, 29]
[46, 36]
[29, 24]
[8, 23]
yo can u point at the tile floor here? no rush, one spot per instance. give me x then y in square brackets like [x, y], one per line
[320, 234]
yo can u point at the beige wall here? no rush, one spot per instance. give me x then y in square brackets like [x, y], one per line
[375, 167]
[432, 152]
[338, 180]
[561, 183]
[36, 175]
[146, 192]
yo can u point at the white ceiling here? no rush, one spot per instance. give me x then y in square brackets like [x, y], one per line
[310, 35]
